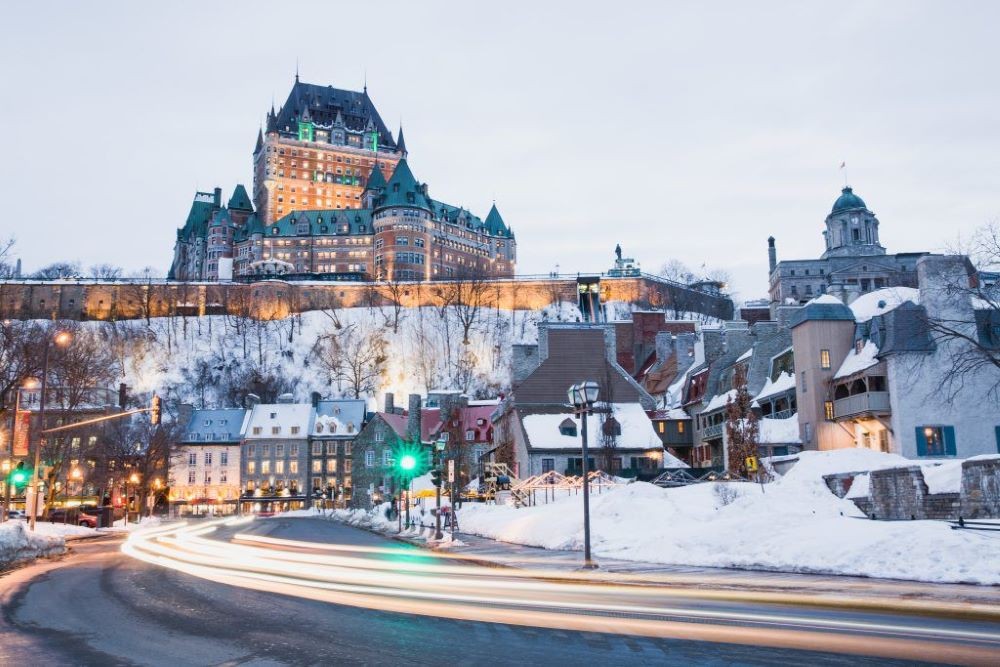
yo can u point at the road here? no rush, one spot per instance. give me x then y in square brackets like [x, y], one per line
[281, 594]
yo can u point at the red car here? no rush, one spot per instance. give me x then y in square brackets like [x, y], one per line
[73, 515]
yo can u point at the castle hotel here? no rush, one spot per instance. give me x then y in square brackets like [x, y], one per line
[334, 199]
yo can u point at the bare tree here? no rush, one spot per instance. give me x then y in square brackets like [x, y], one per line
[742, 429]
[8, 265]
[105, 272]
[355, 357]
[965, 323]
[57, 270]
[390, 301]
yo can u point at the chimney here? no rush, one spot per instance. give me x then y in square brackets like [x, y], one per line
[772, 255]
[184, 412]
[524, 361]
[218, 197]
[684, 349]
[413, 419]
[286, 398]
[315, 398]
[251, 400]
[17, 268]
[390, 402]
[714, 344]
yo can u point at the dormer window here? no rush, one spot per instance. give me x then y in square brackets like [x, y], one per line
[319, 428]
[612, 427]
[568, 427]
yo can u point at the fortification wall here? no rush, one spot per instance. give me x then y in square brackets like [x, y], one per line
[98, 300]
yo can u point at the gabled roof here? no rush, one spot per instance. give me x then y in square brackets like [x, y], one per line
[825, 307]
[403, 189]
[240, 200]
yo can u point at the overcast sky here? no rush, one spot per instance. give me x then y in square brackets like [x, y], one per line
[680, 130]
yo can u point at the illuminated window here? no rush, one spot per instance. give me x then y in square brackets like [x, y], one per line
[680, 427]
[662, 427]
[824, 359]
[828, 409]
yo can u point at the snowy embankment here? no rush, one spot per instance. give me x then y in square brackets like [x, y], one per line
[794, 524]
[17, 543]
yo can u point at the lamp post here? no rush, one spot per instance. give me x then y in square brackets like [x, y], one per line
[6, 468]
[134, 479]
[61, 338]
[582, 397]
[438, 448]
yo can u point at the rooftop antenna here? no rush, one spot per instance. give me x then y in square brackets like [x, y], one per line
[296, 69]
[843, 169]
[365, 79]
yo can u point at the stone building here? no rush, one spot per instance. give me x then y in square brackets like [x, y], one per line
[534, 427]
[204, 475]
[275, 456]
[331, 459]
[335, 199]
[853, 262]
[876, 375]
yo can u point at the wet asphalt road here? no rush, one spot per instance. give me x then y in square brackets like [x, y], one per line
[99, 607]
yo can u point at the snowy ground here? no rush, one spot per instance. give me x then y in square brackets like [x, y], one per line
[794, 524]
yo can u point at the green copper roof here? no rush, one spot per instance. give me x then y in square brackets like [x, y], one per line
[376, 181]
[494, 223]
[240, 200]
[322, 223]
[403, 189]
[847, 201]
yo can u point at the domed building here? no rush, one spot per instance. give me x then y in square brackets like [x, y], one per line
[853, 262]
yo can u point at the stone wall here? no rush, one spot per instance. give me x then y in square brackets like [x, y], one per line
[901, 493]
[271, 299]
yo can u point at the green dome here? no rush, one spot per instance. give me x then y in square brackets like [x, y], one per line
[847, 200]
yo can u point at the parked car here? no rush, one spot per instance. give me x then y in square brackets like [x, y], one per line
[74, 515]
[15, 514]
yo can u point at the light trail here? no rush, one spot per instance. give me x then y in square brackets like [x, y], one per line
[441, 588]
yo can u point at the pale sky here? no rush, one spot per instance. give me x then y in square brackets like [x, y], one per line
[685, 130]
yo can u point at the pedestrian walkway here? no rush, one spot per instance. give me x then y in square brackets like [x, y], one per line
[960, 598]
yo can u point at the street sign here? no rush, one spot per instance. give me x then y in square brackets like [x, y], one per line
[451, 471]
[751, 464]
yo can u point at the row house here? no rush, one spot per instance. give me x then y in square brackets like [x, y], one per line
[449, 416]
[536, 430]
[204, 475]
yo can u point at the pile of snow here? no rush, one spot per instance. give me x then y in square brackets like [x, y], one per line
[881, 301]
[858, 361]
[374, 519]
[944, 478]
[778, 431]
[793, 524]
[17, 543]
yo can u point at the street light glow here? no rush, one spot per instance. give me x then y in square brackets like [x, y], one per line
[408, 462]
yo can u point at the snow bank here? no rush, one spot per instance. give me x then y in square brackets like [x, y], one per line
[944, 478]
[17, 543]
[374, 519]
[793, 524]
[778, 431]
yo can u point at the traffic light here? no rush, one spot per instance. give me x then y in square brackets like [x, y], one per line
[408, 460]
[436, 476]
[155, 411]
[18, 475]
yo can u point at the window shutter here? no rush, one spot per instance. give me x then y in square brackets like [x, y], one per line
[949, 440]
[998, 438]
[921, 442]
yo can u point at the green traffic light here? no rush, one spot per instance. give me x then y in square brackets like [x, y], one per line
[18, 477]
[407, 462]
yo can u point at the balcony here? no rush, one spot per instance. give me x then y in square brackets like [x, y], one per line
[867, 403]
[713, 431]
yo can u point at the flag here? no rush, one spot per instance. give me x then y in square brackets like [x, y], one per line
[843, 164]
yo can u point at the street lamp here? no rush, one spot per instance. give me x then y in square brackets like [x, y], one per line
[5, 467]
[439, 446]
[134, 479]
[582, 397]
[60, 338]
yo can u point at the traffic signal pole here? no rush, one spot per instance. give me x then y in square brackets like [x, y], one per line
[438, 535]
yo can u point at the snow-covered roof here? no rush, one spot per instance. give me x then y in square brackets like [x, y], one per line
[283, 416]
[720, 400]
[339, 418]
[825, 298]
[881, 301]
[778, 431]
[636, 429]
[858, 361]
[745, 355]
[784, 382]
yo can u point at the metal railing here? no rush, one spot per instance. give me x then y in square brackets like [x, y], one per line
[871, 401]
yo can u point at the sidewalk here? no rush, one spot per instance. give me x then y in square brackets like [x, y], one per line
[819, 589]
